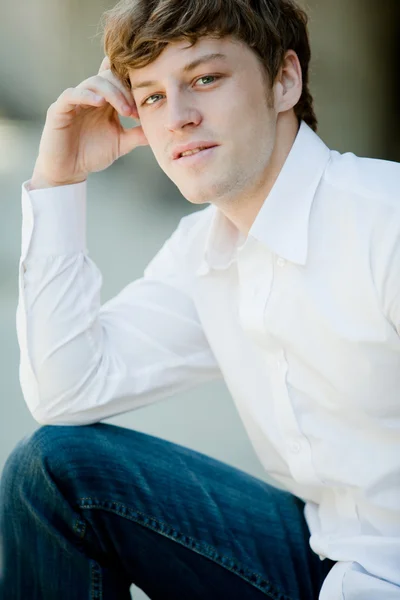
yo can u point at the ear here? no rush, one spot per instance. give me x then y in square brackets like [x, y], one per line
[289, 83]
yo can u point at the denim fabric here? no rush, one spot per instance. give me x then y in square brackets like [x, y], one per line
[87, 510]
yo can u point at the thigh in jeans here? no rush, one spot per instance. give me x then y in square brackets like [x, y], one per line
[175, 522]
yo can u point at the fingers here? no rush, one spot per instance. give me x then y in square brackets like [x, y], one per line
[132, 138]
[107, 84]
[109, 75]
[105, 71]
[105, 65]
[110, 87]
[96, 91]
[72, 97]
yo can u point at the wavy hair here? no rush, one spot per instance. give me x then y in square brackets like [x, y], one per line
[135, 32]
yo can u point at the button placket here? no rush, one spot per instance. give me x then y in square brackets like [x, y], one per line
[294, 447]
[298, 451]
[281, 262]
[255, 270]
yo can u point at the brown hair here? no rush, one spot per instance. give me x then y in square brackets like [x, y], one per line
[135, 32]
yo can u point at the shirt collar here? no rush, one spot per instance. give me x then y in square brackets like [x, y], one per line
[282, 222]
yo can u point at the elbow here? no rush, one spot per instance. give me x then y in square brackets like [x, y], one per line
[64, 406]
[44, 416]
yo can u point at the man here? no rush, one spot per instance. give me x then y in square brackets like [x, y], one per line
[286, 286]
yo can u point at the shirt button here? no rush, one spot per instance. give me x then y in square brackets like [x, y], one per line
[280, 363]
[295, 447]
[281, 262]
[203, 269]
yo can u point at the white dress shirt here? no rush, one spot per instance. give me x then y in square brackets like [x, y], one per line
[301, 318]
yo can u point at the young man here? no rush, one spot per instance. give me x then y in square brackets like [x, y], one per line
[287, 285]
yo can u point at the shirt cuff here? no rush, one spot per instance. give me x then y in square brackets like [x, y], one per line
[53, 220]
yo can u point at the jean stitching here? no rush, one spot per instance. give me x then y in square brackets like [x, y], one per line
[79, 528]
[201, 548]
[97, 581]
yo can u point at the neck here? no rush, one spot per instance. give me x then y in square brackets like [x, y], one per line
[243, 213]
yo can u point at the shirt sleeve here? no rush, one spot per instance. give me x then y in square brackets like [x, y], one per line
[81, 362]
[350, 581]
[385, 262]
[394, 309]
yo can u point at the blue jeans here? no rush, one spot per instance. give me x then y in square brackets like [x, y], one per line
[87, 510]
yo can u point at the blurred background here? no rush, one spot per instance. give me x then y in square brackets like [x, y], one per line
[49, 45]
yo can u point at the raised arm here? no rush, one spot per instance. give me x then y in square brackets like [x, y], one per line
[82, 362]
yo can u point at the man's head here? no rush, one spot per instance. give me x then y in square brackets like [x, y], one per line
[213, 72]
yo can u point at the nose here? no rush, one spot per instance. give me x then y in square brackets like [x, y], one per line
[181, 113]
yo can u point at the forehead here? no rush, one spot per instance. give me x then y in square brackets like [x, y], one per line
[177, 55]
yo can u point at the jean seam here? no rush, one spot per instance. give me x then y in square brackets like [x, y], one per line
[202, 548]
[96, 577]
[97, 581]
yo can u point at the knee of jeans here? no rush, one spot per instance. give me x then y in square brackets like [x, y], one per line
[30, 457]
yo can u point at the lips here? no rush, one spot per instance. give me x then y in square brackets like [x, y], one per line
[177, 153]
[191, 152]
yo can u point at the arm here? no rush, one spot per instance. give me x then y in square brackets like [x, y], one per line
[81, 362]
[388, 276]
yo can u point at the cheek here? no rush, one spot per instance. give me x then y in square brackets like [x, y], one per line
[148, 130]
[159, 149]
[154, 137]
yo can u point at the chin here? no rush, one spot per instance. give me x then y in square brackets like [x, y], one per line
[196, 196]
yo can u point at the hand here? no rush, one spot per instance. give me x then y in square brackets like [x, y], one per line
[83, 133]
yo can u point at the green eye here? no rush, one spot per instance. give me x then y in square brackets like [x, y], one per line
[207, 79]
[150, 98]
[212, 77]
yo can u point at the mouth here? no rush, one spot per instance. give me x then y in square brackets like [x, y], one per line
[195, 156]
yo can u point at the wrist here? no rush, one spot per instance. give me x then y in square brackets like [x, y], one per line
[39, 182]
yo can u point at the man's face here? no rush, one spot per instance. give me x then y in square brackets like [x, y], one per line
[189, 97]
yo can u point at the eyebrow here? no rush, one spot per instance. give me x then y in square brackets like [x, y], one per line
[186, 69]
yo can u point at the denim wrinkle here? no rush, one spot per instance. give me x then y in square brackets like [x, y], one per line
[171, 533]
